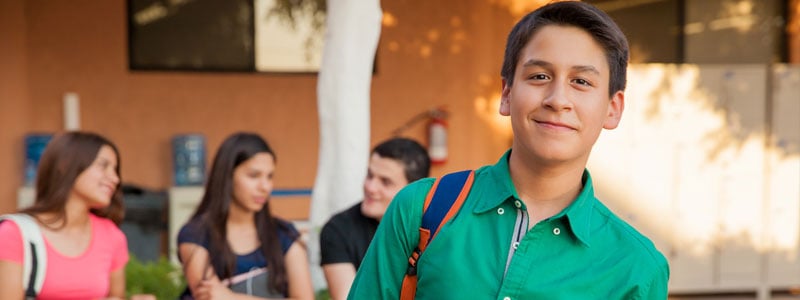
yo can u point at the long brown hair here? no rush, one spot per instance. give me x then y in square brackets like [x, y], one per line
[63, 160]
[213, 211]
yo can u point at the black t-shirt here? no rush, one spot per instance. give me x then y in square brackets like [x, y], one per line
[346, 236]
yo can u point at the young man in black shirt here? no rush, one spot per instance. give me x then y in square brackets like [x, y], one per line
[345, 238]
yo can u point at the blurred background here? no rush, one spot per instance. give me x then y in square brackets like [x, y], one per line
[706, 161]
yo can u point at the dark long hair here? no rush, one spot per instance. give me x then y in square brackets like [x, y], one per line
[63, 160]
[215, 206]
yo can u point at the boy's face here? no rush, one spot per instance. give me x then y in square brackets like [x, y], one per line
[385, 177]
[559, 100]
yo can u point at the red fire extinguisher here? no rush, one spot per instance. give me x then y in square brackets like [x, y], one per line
[437, 136]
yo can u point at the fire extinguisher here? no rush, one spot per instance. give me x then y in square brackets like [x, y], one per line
[437, 136]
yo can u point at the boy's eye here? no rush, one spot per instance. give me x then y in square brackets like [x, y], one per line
[582, 81]
[538, 77]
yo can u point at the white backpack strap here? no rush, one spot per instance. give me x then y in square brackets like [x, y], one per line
[34, 252]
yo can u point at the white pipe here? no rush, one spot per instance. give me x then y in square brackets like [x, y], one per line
[72, 113]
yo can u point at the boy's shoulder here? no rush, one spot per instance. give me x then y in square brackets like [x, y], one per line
[415, 189]
[626, 236]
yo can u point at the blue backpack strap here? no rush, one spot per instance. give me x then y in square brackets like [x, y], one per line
[445, 194]
[442, 203]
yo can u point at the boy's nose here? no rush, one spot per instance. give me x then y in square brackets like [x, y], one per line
[557, 98]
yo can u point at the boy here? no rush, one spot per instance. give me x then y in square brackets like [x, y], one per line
[345, 237]
[531, 227]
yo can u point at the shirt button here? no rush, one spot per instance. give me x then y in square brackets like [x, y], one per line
[516, 245]
[556, 231]
[517, 204]
[500, 211]
[506, 298]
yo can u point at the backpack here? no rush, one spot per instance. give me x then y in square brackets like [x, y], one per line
[443, 201]
[34, 253]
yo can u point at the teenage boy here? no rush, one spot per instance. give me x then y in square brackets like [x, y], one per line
[345, 237]
[531, 227]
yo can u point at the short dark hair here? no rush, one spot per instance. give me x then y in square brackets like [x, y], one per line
[63, 160]
[571, 13]
[412, 155]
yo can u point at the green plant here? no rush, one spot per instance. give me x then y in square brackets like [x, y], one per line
[323, 294]
[160, 278]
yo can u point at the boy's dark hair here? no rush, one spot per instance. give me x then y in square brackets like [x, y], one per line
[411, 154]
[571, 13]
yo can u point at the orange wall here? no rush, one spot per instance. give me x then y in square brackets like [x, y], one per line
[13, 99]
[141, 111]
[435, 53]
[441, 54]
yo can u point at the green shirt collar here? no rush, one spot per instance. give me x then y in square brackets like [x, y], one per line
[578, 213]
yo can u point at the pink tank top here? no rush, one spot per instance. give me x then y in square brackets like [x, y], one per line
[86, 276]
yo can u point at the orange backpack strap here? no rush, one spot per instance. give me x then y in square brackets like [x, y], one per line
[443, 201]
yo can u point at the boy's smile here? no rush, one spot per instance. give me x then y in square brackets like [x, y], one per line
[559, 100]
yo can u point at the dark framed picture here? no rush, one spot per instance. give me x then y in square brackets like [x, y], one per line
[220, 36]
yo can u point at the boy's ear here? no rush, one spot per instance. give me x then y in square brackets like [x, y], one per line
[505, 99]
[615, 108]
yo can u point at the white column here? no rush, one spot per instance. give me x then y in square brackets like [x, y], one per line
[343, 97]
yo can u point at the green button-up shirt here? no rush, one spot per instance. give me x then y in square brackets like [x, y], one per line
[584, 252]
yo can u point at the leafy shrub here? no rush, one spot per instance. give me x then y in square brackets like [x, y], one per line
[161, 278]
[323, 294]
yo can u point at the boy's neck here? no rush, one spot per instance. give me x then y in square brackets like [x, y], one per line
[546, 189]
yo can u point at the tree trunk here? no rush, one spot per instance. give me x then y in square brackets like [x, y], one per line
[343, 97]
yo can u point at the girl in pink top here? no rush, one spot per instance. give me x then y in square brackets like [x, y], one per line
[78, 207]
